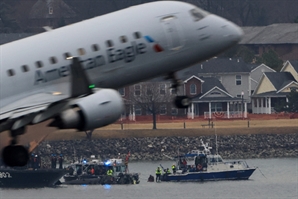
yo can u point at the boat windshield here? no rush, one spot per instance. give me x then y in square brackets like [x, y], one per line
[214, 158]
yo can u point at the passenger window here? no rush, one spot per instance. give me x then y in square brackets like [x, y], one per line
[10, 72]
[53, 60]
[25, 68]
[81, 51]
[123, 39]
[67, 55]
[109, 43]
[95, 47]
[137, 35]
[39, 64]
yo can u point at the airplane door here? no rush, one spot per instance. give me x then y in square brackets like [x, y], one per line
[169, 24]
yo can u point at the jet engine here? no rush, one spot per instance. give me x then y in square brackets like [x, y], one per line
[93, 111]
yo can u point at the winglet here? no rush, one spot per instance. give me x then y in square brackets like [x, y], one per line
[78, 79]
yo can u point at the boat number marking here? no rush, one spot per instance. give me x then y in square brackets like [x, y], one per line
[5, 175]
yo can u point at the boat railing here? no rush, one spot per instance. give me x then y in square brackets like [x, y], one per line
[238, 162]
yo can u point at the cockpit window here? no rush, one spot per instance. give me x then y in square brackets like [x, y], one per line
[198, 14]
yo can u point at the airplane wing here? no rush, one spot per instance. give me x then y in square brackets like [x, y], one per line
[39, 107]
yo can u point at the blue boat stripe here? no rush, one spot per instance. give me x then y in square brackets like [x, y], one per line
[149, 39]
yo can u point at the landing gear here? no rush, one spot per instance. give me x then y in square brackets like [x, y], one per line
[179, 101]
[15, 155]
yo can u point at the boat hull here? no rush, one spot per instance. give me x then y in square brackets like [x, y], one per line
[210, 176]
[21, 178]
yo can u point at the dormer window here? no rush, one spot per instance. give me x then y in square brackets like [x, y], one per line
[51, 10]
[193, 89]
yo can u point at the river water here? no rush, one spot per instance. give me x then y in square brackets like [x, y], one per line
[275, 179]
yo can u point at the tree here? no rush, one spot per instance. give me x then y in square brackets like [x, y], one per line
[291, 106]
[7, 21]
[240, 51]
[270, 58]
[152, 97]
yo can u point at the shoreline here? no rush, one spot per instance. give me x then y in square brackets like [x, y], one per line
[246, 146]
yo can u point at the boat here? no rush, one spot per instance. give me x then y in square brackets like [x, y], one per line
[95, 172]
[30, 178]
[202, 165]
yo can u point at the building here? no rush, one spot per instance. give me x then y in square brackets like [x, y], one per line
[282, 38]
[273, 88]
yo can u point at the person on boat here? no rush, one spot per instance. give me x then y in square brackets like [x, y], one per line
[92, 171]
[110, 172]
[168, 171]
[174, 169]
[60, 160]
[158, 174]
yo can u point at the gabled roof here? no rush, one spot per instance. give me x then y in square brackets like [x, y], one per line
[210, 83]
[284, 33]
[279, 79]
[287, 84]
[294, 63]
[216, 66]
[255, 67]
[193, 76]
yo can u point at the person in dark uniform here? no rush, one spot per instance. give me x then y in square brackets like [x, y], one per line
[60, 160]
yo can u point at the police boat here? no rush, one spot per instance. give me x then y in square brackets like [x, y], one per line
[202, 165]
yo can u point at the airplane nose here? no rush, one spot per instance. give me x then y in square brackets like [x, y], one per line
[233, 32]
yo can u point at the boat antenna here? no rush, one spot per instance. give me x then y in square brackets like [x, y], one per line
[216, 145]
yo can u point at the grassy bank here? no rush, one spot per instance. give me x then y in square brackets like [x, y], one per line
[192, 128]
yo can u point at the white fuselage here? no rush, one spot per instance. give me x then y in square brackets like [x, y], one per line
[116, 49]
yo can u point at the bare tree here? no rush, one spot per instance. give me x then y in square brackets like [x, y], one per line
[152, 97]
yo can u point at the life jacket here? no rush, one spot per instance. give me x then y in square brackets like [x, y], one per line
[158, 171]
[110, 172]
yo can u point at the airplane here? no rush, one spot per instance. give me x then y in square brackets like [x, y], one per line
[70, 74]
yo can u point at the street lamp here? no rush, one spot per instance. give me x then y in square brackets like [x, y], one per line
[242, 105]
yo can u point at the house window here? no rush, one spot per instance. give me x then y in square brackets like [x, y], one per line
[163, 109]
[174, 111]
[149, 91]
[51, 11]
[216, 107]
[173, 91]
[162, 89]
[193, 89]
[238, 79]
[149, 110]
[121, 91]
[137, 90]
[138, 110]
